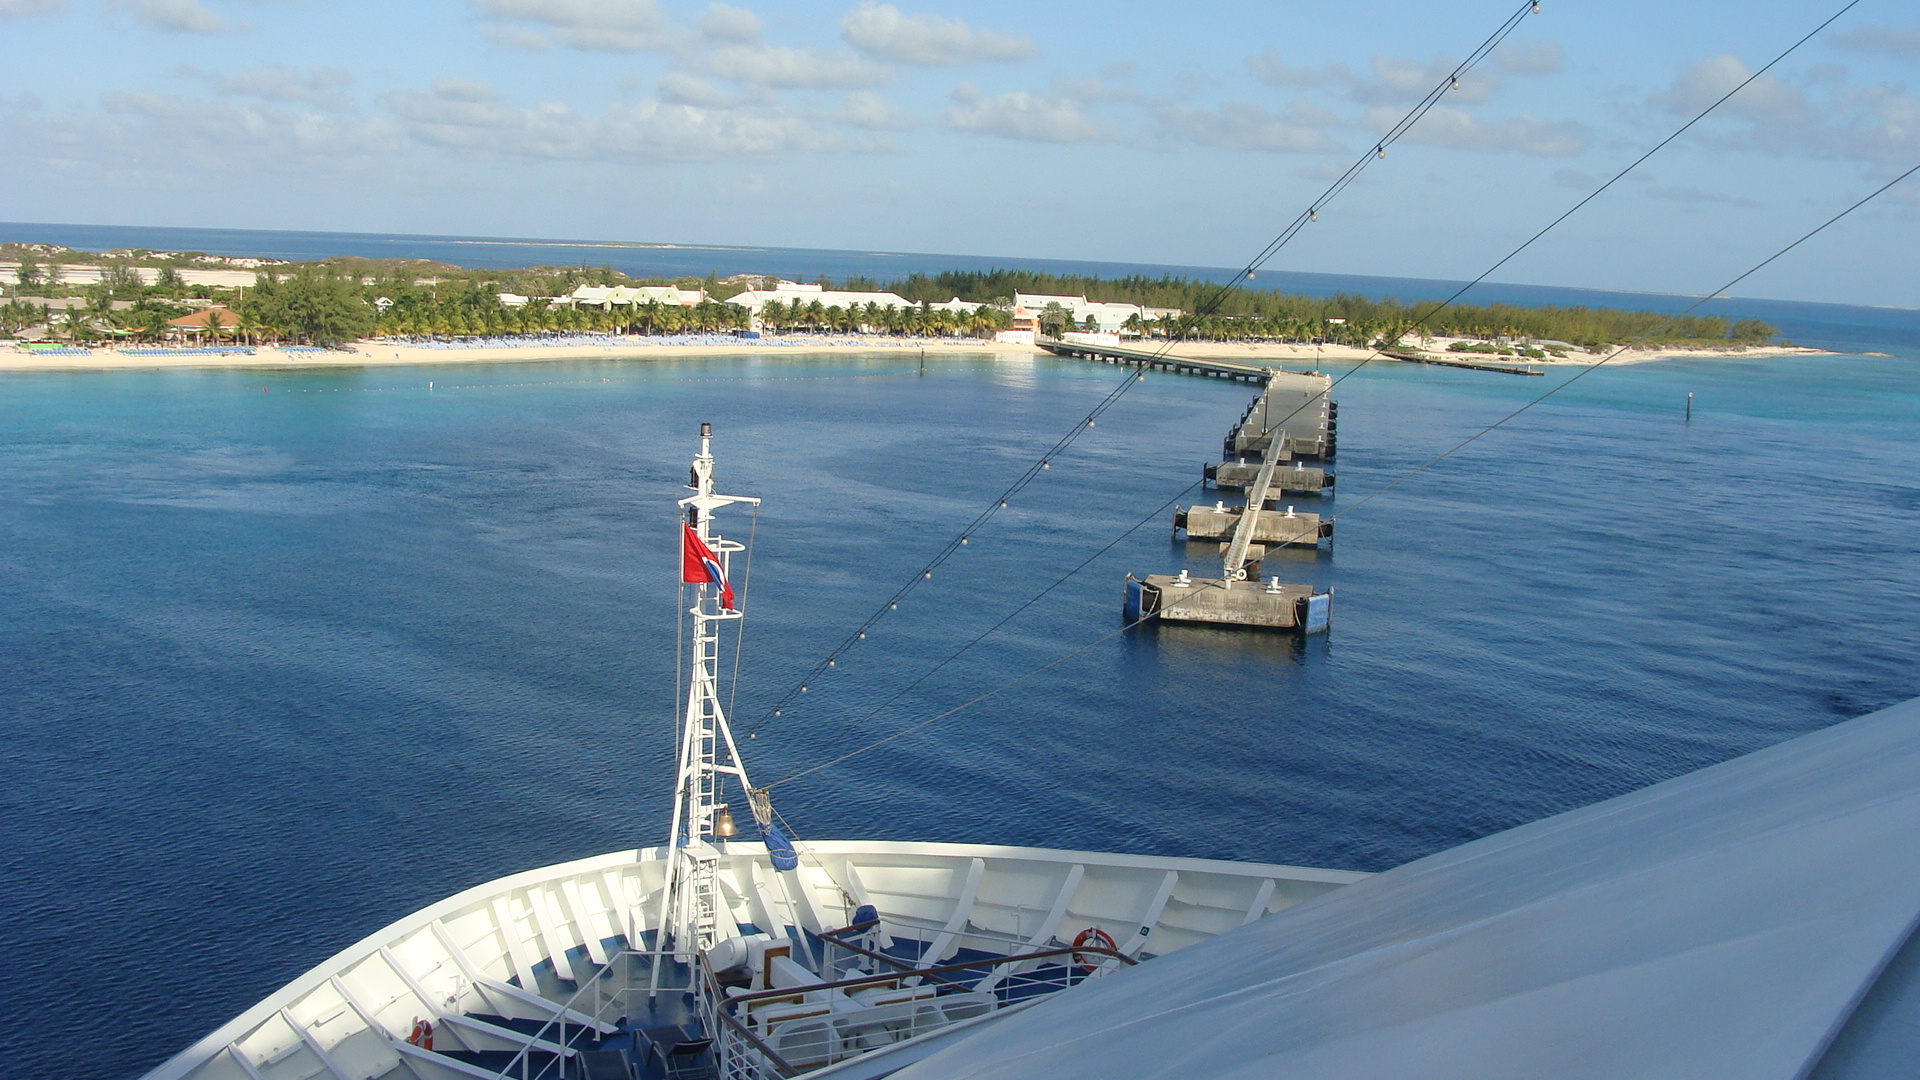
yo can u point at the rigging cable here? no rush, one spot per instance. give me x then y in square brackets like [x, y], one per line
[1379, 350]
[1410, 474]
[1206, 308]
[740, 625]
[1008, 617]
[1219, 295]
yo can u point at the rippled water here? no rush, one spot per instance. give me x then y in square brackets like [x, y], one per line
[289, 655]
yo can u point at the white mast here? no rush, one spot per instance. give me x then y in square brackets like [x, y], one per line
[688, 908]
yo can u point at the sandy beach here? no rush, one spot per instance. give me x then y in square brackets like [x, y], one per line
[1308, 354]
[381, 353]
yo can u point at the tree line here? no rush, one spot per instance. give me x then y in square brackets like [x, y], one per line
[342, 300]
[1248, 314]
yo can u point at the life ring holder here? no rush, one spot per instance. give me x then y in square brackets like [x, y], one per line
[1097, 938]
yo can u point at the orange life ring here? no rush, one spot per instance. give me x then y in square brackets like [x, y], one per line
[426, 1035]
[1097, 938]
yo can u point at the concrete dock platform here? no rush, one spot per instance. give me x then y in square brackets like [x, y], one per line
[1293, 477]
[1273, 528]
[1233, 603]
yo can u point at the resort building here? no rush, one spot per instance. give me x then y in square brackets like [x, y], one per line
[788, 292]
[957, 306]
[1107, 318]
[209, 323]
[611, 296]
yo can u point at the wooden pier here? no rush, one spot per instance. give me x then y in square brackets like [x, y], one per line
[1295, 477]
[1238, 597]
[1273, 527]
[1179, 365]
[1515, 368]
[1294, 416]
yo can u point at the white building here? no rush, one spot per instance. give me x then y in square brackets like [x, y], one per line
[787, 292]
[957, 306]
[610, 296]
[1108, 318]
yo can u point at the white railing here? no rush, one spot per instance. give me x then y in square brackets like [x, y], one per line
[521, 1067]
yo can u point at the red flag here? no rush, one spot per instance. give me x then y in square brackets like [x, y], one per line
[698, 564]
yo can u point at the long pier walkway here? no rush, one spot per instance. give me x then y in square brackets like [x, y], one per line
[1179, 365]
[1471, 365]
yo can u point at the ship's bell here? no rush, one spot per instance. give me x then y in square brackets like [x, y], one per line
[723, 826]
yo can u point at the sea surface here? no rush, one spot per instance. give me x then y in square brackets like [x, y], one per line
[289, 654]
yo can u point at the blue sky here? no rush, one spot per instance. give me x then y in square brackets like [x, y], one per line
[1115, 131]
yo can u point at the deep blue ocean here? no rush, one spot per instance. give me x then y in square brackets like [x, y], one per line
[289, 654]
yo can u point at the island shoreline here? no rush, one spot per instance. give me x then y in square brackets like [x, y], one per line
[376, 353]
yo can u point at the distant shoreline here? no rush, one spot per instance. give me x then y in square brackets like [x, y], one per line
[389, 354]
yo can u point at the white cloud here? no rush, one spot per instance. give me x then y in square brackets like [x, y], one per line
[1456, 129]
[1878, 124]
[466, 116]
[149, 126]
[1241, 126]
[1270, 68]
[1021, 115]
[1704, 82]
[1575, 178]
[1697, 196]
[278, 82]
[680, 88]
[1398, 81]
[179, 16]
[780, 66]
[1401, 81]
[591, 25]
[515, 36]
[1530, 56]
[883, 31]
[14, 9]
[723, 23]
[1897, 40]
[865, 109]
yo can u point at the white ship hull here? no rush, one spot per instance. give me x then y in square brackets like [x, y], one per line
[565, 946]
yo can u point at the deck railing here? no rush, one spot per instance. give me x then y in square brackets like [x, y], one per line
[780, 1033]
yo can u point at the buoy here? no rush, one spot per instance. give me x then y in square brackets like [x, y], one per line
[1093, 937]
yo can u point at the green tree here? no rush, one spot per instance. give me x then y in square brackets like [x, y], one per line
[316, 304]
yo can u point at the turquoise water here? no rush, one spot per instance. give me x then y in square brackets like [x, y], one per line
[289, 654]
